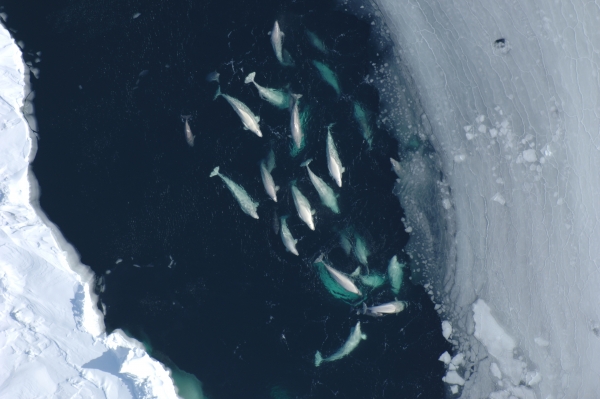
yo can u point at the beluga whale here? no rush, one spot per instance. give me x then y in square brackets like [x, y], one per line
[305, 212]
[296, 123]
[333, 160]
[189, 137]
[247, 204]
[328, 76]
[340, 278]
[351, 343]
[266, 166]
[395, 274]
[286, 236]
[277, 37]
[328, 197]
[276, 97]
[393, 307]
[361, 116]
[249, 120]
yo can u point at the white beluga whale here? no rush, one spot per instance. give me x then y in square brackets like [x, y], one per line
[276, 97]
[395, 274]
[286, 236]
[189, 137]
[247, 204]
[396, 167]
[340, 278]
[393, 307]
[328, 197]
[277, 37]
[333, 160]
[351, 343]
[296, 122]
[362, 118]
[249, 120]
[305, 212]
[328, 76]
[266, 166]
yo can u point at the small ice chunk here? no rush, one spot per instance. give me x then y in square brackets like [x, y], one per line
[458, 359]
[482, 128]
[533, 377]
[137, 14]
[470, 136]
[446, 203]
[495, 370]
[480, 119]
[493, 132]
[499, 199]
[445, 357]
[453, 378]
[459, 158]
[541, 341]
[529, 155]
[446, 329]
[408, 229]
[454, 389]
[118, 261]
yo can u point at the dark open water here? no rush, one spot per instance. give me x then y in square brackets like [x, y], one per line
[120, 181]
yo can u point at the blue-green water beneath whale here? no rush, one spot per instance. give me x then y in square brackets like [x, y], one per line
[210, 289]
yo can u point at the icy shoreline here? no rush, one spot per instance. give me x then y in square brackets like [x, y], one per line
[512, 103]
[52, 339]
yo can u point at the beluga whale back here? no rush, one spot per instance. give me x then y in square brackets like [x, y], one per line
[351, 343]
[247, 204]
[249, 120]
[189, 137]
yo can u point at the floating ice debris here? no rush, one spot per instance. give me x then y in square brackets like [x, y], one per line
[247, 204]
[446, 329]
[137, 14]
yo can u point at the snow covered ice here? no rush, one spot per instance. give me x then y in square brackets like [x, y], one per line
[509, 96]
[52, 339]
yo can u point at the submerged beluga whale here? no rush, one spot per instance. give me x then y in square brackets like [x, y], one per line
[333, 160]
[247, 204]
[249, 120]
[305, 212]
[351, 343]
[189, 137]
[328, 197]
[286, 236]
[276, 97]
[266, 166]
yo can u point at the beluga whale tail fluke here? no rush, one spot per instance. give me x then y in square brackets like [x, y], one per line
[247, 204]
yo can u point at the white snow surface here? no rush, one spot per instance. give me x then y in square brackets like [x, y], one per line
[516, 130]
[52, 339]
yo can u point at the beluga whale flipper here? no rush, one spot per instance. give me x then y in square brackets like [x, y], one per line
[277, 37]
[393, 307]
[328, 197]
[266, 166]
[286, 236]
[189, 137]
[328, 76]
[333, 160]
[247, 204]
[305, 212]
[351, 343]
[248, 118]
[276, 97]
